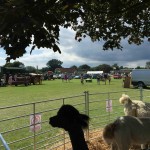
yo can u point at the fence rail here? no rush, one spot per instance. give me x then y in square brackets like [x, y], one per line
[22, 131]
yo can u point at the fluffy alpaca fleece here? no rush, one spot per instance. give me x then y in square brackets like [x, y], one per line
[126, 131]
[135, 107]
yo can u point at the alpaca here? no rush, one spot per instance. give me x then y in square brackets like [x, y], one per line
[127, 130]
[135, 108]
[72, 121]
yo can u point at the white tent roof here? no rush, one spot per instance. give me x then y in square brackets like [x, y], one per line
[94, 72]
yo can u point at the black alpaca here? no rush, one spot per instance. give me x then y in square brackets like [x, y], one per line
[72, 121]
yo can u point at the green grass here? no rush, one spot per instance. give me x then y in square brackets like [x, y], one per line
[12, 95]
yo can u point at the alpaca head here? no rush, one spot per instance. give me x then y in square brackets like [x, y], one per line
[108, 133]
[125, 99]
[68, 117]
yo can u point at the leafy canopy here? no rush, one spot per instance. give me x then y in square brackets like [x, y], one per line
[53, 64]
[37, 23]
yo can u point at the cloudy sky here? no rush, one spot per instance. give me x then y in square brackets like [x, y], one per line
[85, 52]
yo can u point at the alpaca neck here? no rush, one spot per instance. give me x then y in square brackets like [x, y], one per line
[128, 104]
[128, 108]
[77, 139]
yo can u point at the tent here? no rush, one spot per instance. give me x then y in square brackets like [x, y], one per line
[94, 72]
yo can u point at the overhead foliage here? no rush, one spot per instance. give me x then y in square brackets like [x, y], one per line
[37, 23]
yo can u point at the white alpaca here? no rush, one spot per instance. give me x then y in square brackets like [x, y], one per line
[135, 108]
[126, 131]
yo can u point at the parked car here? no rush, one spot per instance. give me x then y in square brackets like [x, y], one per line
[77, 77]
[85, 76]
[117, 76]
[55, 76]
[94, 76]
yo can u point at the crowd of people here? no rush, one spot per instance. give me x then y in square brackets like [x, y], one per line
[66, 77]
[8, 79]
[100, 77]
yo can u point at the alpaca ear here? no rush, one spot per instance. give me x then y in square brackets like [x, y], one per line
[125, 95]
[85, 117]
[108, 131]
[124, 99]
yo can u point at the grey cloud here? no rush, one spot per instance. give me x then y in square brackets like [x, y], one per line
[93, 51]
[86, 52]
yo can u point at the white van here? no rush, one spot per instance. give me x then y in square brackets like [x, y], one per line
[140, 77]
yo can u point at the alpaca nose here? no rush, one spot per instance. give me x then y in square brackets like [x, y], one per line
[53, 121]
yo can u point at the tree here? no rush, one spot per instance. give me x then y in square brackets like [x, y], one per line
[15, 64]
[121, 67]
[138, 67]
[37, 23]
[104, 67]
[147, 65]
[31, 69]
[44, 69]
[8, 65]
[115, 66]
[74, 67]
[53, 64]
[84, 67]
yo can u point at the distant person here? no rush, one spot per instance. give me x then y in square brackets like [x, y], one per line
[65, 77]
[105, 77]
[69, 77]
[10, 79]
[62, 77]
[82, 79]
[98, 79]
[4, 80]
[15, 77]
[109, 78]
[41, 79]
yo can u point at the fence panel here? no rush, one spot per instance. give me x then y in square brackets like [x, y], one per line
[21, 135]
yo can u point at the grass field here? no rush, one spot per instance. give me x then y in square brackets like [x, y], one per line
[12, 95]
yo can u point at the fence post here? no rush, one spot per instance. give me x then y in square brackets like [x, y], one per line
[4, 142]
[64, 130]
[109, 110]
[141, 93]
[87, 111]
[34, 126]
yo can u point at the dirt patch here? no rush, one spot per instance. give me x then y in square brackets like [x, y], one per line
[95, 143]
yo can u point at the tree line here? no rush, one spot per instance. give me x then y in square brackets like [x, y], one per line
[52, 64]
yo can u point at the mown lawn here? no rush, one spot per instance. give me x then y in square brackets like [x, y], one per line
[21, 94]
